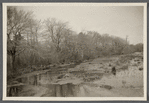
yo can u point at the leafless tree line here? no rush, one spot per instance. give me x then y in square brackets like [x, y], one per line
[34, 42]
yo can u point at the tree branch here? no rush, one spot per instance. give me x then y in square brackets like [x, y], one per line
[20, 52]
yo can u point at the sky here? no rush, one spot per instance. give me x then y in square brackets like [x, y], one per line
[113, 20]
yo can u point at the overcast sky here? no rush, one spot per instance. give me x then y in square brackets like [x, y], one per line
[117, 21]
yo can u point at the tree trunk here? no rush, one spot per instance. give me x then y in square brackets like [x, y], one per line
[13, 64]
[82, 55]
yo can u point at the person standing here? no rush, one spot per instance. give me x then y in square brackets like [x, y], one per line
[113, 71]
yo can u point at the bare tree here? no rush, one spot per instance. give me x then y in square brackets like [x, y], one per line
[17, 23]
[55, 30]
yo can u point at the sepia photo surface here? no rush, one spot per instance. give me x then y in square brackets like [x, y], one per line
[74, 51]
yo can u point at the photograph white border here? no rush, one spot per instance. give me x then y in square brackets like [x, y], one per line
[72, 98]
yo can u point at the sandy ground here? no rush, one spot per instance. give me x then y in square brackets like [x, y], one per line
[126, 83]
[123, 84]
[87, 91]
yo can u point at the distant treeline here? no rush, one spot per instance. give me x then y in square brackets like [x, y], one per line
[33, 42]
